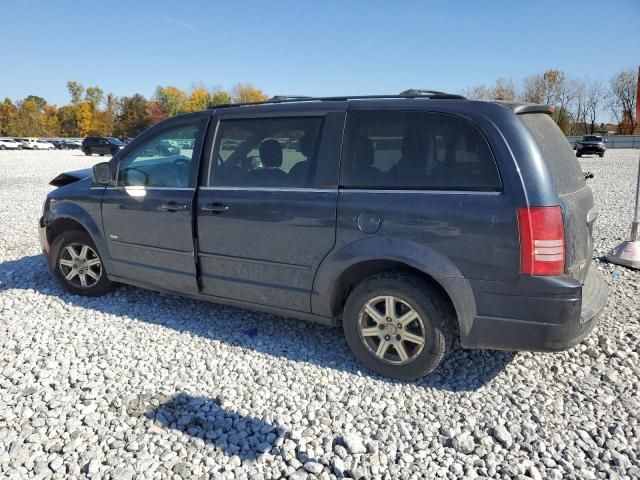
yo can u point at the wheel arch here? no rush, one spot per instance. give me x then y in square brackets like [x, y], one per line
[341, 271]
[67, 216]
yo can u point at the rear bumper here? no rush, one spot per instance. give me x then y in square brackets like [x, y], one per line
[544, 323]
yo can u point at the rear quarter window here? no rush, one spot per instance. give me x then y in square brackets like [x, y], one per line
[556, 151]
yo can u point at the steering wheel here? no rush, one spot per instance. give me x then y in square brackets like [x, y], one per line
[180, 168]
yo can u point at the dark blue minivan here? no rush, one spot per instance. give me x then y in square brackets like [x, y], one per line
[409, 219]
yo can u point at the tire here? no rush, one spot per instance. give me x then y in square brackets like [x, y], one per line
[87, 152]
[578, 155]
[601, 155]
[2, 147]
[433, 325]
[102, 154]
[61, 265]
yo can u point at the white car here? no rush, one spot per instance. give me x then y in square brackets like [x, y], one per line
[9, 144]
[36, 144]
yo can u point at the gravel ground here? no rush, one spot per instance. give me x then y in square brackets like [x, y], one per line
[142, 385]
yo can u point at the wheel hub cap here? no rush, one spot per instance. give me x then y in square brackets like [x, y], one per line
[80, 265]
[391, 329]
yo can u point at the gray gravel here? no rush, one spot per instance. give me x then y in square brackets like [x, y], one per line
[142, 385]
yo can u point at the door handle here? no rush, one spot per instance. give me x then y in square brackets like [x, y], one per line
[215, 208]
[175, 207]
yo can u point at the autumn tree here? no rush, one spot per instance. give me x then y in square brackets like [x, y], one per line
[198, 100]
[219, 97]
[171, 99]
[67, 121]
[75, 90]
[245, 92]
[133, 117]
[83, 113]
[8, 114]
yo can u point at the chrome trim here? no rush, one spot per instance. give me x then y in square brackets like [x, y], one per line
[436, 192]
[273, 189]
[149, 188]
[253, 260]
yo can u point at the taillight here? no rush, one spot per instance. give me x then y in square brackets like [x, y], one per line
[541, 240]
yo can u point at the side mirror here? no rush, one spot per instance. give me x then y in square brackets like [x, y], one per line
[101, 173]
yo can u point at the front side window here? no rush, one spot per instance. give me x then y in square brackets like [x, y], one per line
[266, 152]
[164, 160]
[416, 150]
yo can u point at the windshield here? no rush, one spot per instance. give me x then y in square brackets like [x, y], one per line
[592, 138]
[114, 141]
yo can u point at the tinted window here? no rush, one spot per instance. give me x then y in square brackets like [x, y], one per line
[556, 151]
[266, 152]
[161, 161]
[416, 150]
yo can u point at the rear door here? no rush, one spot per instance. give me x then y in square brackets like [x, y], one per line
[147, 216]
[267, 208]
[576, 199]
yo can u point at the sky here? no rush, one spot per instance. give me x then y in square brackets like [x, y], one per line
[343, 47]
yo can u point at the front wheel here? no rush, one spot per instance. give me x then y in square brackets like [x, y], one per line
[398, 325]
[87, 152]
[77, 266]
[601, 155]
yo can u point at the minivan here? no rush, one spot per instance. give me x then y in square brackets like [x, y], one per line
[411, 220]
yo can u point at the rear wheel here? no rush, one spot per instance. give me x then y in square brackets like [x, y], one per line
[77, 266]
[398, 325]
[601, 155]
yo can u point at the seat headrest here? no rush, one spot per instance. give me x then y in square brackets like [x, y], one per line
[305, 145]
[364, 152]
[271, 153]
[414, 145]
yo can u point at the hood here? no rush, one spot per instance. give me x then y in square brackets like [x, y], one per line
[70, 177]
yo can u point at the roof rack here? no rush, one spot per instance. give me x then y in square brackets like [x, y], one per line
[411, 93]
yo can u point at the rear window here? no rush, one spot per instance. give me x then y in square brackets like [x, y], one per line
[556, 151]
[416, 150]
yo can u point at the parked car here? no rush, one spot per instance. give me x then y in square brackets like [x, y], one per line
[590, 144]
[408, 220]
[9, 144]
[73, 144]
[101, 145]
[36, 144]
[59, 144]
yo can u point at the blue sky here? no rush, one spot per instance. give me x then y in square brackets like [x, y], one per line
[307, 48]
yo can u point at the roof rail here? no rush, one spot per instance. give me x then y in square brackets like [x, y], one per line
[419, 92]
[412, 93]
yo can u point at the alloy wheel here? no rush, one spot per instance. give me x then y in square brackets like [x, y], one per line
[80, 265]
[391, 329]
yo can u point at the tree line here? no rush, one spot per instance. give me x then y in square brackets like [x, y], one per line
[92, 112]
[578, 101]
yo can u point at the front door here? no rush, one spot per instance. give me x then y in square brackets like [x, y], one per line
[267, 210]
[147, 216]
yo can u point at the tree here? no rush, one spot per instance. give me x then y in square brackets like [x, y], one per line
[171, 99]
[134, 116]
[8, 114]
[83, 113]
[245, 92]
[41, 102]
[622, 100]
[28, 119]
[503, 90]
[94, 95]
[156, 113]
[198, 100]
[219, 97]
[594, 94]
[49, 121]
[67, 121]
[75, 91]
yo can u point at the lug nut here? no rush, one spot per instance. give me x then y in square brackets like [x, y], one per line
[398, 337]
[388, 319]
[399, 325]
[387, 337]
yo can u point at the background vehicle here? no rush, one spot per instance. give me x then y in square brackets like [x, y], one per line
[590, 144]
[101, 145]
[73, 144]
[408, 220]
[36, 144]
[9, 144]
